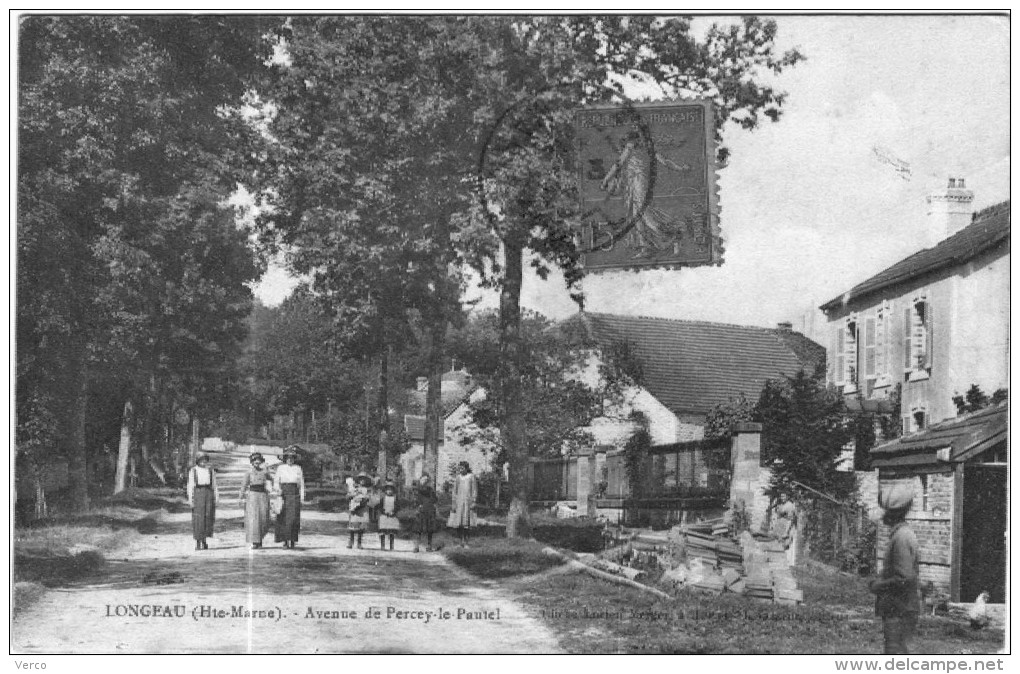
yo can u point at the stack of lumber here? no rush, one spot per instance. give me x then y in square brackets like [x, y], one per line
[768, 571]
[700, 543]
[752, 567]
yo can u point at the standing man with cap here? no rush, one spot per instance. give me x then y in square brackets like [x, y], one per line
[898, 600]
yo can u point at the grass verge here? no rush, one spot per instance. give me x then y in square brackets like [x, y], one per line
[593, 616]
[54, 551]
[501, 557]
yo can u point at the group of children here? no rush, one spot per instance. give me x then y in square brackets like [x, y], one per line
[363, 500]
[462, 512]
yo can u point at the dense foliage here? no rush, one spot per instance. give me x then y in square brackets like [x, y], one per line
[131, 272]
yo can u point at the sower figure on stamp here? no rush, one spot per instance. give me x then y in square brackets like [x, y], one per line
[898, 600]
[255, 497]
[290, 480]
[631, 174]
[202, 497]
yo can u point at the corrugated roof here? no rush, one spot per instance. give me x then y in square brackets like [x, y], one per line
[989, 228]
[692, 366]
[965, 436]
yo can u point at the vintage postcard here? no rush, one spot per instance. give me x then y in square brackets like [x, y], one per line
[511, 334]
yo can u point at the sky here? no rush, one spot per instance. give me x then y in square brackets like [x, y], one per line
[808, 208]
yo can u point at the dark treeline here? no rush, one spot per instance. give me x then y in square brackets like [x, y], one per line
[132, 286]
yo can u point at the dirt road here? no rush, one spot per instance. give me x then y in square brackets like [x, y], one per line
[160, 596]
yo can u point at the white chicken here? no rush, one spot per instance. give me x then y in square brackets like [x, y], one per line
[978, 613]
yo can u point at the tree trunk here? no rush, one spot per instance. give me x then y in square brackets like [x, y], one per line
[512, 429]
[434, 431]
[383, 414]
[124, 449]
[149, 431]
[77, 455]
[41, 509]
[195, 443]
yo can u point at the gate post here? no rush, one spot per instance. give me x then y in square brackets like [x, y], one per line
[749, 479]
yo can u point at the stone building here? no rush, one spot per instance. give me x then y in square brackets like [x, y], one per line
[925, 330]
[457, 390]
[934, 323]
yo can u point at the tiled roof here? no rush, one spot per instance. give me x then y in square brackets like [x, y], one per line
[965, 437]
[989, 228]
[692, 366]
[414, 426]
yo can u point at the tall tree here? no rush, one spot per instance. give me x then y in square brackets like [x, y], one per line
[357, 180]
[531, 75]
[117, 116]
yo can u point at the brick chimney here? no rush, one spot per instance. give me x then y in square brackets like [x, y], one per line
[785, 325]
[949, 210]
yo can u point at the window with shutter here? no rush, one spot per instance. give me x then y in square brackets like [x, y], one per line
[850, 352]
[929, 335]
[840, 374]
[918, 338]
[908, 355]
[870, 343]
[883, 344]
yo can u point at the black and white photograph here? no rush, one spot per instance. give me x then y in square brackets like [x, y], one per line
[465, 332]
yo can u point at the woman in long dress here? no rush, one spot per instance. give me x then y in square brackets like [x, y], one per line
[202, 497]
[290, 481]
[255, 496]
[465, 493]
[425, 517]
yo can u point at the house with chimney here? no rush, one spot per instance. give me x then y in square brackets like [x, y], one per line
[906, 341]
[457, 390]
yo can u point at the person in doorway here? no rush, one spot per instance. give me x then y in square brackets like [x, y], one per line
[290, 481]
[255, 497]
[786, 527]
[425, 515]
[202, 497]
[358, 510]
[465, 493]
[898, 599]
[389, 525]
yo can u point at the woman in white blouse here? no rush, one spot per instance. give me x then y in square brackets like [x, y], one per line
[202, 497]
[291, 483]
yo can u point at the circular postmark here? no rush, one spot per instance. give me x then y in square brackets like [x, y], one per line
[630, 177]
